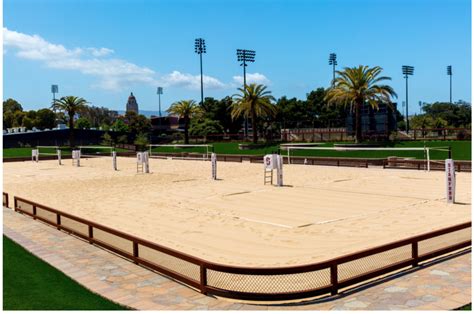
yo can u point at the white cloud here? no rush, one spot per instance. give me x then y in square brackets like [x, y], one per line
[112, 73]
[256, 78]
[190, 81]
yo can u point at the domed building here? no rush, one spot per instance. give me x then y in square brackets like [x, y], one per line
[132, 104]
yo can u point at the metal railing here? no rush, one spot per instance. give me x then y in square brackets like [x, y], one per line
[258, 283]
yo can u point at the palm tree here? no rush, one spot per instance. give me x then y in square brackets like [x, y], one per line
[254, 102]
[185, 109]
[357, 86]
[71, 105]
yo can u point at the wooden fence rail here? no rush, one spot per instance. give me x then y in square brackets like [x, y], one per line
[257, 283]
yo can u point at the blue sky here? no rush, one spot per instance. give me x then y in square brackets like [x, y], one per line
[102, 50]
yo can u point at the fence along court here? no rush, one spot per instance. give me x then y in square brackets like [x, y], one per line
[263, 283]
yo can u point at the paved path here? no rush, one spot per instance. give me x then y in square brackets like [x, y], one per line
[441, 286]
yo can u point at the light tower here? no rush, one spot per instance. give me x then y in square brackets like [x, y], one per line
[54, 90]
[449, 70]
[159, 91]
[333, 62]
[407, 70]
[245, 56]
[200, 48]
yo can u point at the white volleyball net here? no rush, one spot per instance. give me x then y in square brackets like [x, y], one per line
[181, 151]
[427, 157]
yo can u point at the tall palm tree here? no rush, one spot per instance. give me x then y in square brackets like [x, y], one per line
[185, 109]
[71, 105]
[357, 86]
[253, 102]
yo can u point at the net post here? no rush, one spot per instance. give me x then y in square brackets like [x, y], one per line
[114, 160]
[214, 166]
[428, 159]
[59, 156]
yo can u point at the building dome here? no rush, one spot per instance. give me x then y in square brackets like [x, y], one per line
[132, 104]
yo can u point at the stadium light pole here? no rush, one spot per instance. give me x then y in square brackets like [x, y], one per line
[54, 90]
[200, 48]
[333, 62]
[245, 56]
[449, 70]
[407, 70]
[159, 91]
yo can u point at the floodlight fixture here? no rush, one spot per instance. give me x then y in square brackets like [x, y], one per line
[244, 56]
[159, 91]
[333, 62]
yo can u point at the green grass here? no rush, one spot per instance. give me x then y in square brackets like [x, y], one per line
[461, 150]
[466, 307]
[31, 284]
[26, 151]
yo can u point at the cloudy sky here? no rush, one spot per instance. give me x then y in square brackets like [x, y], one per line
[102, 50]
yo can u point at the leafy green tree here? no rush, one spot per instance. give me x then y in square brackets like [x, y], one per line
[456, 115]
[137, 123]
[122, 139]
[120, 126]
[204, 127]
[11, 105]
[71, 105]
[220, 110]
[45, 119]
[254, 102]
[141, 141]
[99, 115]
[83, 123]
[185, 109]
[354, 87]
[107, 140]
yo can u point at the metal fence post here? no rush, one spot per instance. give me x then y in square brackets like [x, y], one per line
[203, 279]
[334, 282]
[135, 252]
[91, 234]
[414, 253]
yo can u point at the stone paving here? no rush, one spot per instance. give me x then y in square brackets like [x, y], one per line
[442, 285]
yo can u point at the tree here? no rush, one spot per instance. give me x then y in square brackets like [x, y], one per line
[354, 87]
[185, 109]
[204, 127]
[83, 123]
[456, 115]
[11, 105]
[45, 119]
[107, 140]
[98, 116]
[141, 141]
[254, 102]
[120, 126]
[137, 123]
[71, 105]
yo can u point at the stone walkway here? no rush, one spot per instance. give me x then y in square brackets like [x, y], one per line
[443, 285]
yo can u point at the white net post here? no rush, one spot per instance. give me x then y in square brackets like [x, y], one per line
[76, 158]
[58, 151]
[450, 181]
[279, 160]
[214, 166]
[34, 155]
[428, 167]
[114, 160]
[147, 164]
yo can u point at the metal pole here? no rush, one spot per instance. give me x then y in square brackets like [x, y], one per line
[159, 104]
[246, 123]
[451, 89]
[408, 127]
[333, 73]
[202, 84]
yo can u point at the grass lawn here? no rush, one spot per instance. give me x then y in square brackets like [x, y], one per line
[466, 307]
[26, 151]
[461, 150]
[31, 284]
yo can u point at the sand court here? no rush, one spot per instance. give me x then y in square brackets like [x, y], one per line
[322, 212]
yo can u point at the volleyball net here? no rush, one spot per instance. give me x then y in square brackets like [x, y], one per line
[96, 151]
[181, 151]
[429, 155]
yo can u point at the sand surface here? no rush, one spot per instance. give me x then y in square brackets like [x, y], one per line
[321, 213]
